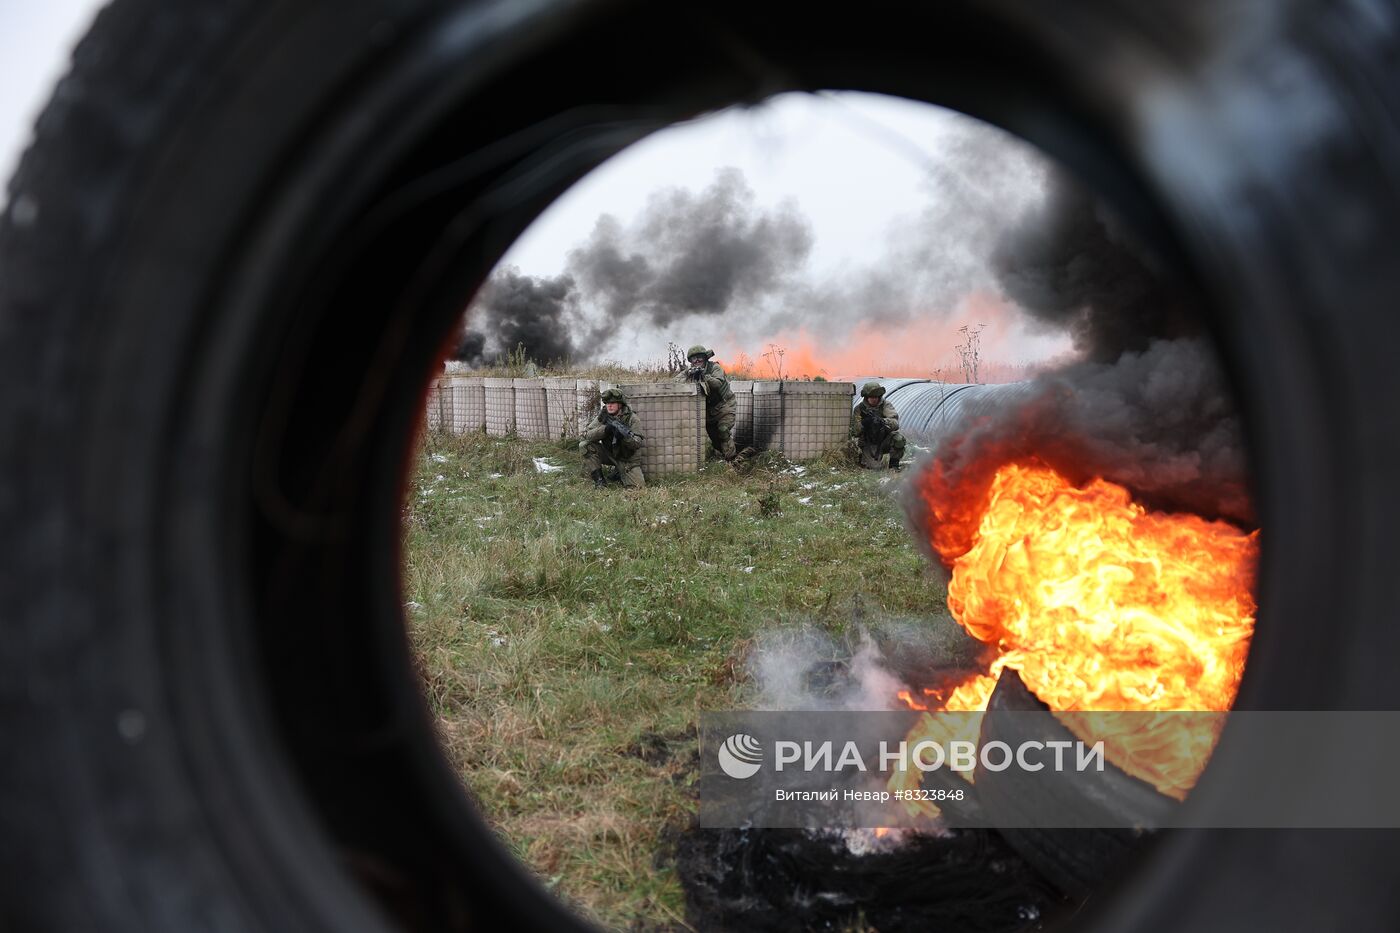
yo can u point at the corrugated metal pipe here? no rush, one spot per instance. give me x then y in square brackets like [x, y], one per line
[928, 410]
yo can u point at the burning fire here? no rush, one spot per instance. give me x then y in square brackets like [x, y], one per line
[1100, 605]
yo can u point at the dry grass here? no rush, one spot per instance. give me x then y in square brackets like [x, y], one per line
[568, 638]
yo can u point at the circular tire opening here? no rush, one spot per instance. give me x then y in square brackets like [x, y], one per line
[202, 524]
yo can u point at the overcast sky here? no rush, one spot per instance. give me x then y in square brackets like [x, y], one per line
[36, 38]
[898, 201]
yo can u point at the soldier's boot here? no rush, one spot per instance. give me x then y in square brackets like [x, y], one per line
[597, 477]
[894, 462]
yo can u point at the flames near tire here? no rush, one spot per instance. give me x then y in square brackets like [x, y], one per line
[1100, 605]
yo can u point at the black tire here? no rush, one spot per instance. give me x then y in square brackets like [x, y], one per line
[246, 228]
[1078, 862]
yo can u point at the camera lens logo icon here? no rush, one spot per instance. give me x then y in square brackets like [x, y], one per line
[741, 756]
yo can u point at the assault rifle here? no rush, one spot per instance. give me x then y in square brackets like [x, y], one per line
[622, 431]
[872, 426]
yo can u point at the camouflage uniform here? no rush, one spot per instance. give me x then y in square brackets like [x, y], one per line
[883, 436]
[602, 445]
[720, 404]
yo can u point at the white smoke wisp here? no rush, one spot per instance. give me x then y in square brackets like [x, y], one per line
[804, 668]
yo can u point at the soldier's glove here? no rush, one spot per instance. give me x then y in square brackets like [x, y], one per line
[873, 426]
[697, 373]
[620, 430]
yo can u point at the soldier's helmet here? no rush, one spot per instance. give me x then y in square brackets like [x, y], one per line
[699, 350]
[872, 389]
[613, 395]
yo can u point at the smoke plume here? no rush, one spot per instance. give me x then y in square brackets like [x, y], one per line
[1069, 264]
[1160, 422]
[1146, 407]
[692, 254]
[690, 259]
[514, 310]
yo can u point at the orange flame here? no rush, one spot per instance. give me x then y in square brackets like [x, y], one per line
[1100, 605]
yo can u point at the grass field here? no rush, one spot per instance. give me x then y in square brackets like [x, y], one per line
[569, 637]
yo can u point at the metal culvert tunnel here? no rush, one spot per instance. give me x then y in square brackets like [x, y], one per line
[928, 410]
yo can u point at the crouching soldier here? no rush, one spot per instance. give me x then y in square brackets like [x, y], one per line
[720, 404]
[614, 438]
[875, 428]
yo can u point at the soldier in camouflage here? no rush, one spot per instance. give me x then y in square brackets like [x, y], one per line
[614, 437]
[720, 406]
[875, 428]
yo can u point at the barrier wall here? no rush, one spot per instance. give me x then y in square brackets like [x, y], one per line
[767, 415]
[801, 420]
[672, 415]
[743, 413]
[586, 401]
[500, 406]
[561, 406]
[433, 408]
[464, 409]
[816, 417]
[531, 413]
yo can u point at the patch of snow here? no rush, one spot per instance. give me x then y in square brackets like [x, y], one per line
[544, 466]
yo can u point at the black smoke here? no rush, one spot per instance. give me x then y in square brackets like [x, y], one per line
[1147, 406]
[691, 254]
[688, 256]
[515, 310]
[1071, 265]
[1161, 422]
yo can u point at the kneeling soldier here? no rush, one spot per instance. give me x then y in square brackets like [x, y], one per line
[613, 437]
[875, 427]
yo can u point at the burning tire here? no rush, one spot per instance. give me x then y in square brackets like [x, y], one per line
[1076, 861]
[231, 204]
